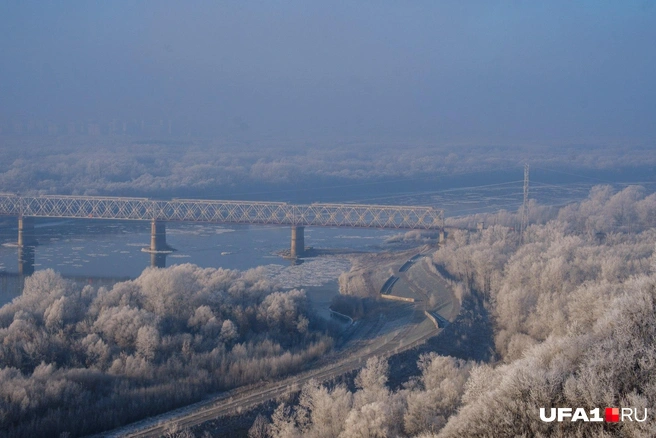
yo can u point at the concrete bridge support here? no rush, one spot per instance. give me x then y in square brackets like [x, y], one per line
[158, 260]
[26, 231]
[298, 241]
[26, 243]
[158, 236]
[25, 260]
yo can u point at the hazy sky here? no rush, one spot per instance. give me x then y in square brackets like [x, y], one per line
[441, 71]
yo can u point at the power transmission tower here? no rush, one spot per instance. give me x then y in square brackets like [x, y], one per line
[524, 223]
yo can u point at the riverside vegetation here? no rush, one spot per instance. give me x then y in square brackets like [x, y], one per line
[574, 314]
[78, 360]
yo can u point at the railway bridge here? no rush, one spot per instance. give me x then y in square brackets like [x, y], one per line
[158, 212]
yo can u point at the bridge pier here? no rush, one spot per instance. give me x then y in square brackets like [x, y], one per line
[158, 237]
[26, 243]
[25, 260]
[298, 241]
[26, 231]
[158, 260]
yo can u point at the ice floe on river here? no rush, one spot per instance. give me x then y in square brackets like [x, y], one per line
[312, 272]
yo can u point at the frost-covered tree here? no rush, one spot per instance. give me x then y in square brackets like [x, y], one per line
[574, 308]
[260, 427]
[82, 355]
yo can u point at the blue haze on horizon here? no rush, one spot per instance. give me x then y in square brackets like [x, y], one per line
[447, 71]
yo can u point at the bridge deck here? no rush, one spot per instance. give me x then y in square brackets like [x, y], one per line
[214, 211]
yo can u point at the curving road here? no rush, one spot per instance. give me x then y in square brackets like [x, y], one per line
[234, 402]
[385, 336]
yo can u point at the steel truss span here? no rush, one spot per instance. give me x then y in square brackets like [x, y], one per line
[238, 212]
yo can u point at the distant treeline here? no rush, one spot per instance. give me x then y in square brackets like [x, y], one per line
[128, 167]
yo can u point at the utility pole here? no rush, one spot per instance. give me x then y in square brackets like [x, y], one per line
[524, 223]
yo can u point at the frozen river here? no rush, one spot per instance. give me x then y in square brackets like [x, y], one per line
[95, 249]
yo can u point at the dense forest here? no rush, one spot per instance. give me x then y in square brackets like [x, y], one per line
[573, 305]
[77, 360]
